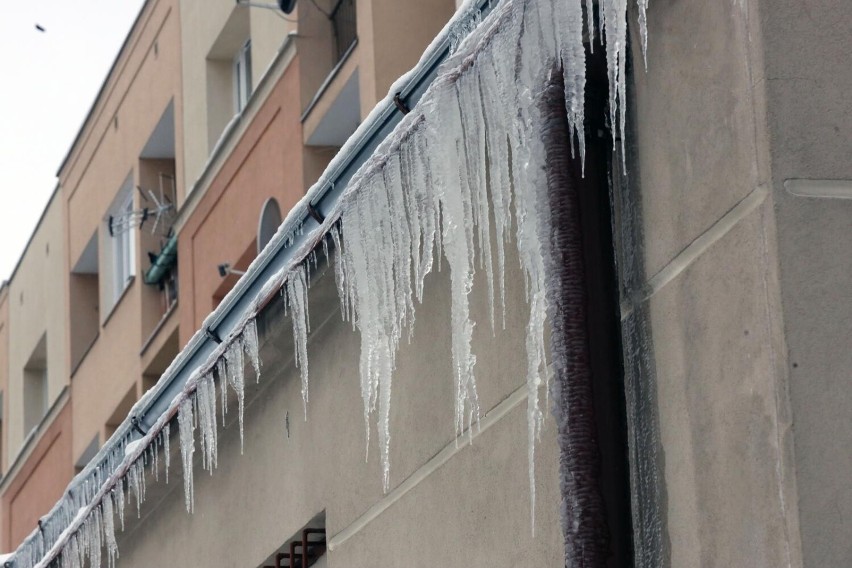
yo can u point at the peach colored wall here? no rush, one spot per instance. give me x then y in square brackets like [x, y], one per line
[392, 36]
[144, 81]
[206, 114]
[266, 162]
[39, 483]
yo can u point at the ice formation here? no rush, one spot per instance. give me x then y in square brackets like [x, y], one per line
[459, 179]
[297, 301]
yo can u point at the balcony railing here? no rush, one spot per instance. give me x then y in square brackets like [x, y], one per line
[344, 27]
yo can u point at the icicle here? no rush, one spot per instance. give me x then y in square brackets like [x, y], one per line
[590, 23]
[343, 290]
[109, 529]
[119, 493]
[222, 375]
[614, 25]
[187, 448]
[206, 398]
[446, 140]
[471, 112]
[237, 380]
[252, 346]
[642, 5]
[156, 453]
[166, 454]
[297, 299]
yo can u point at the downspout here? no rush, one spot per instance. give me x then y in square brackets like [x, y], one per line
[164, 261]
[584, 526]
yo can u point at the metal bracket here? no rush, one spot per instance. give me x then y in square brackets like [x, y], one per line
[318, 217]
[213, 335]
[400, 104]
[135, 422]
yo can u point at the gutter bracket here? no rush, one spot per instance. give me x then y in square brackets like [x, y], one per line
[400, 104]
[212, 335]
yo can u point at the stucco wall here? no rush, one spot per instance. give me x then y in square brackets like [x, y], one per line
[391, 38]
[711, 291]
[807, 81]
[266, 162]
[202, 24]
[41, 480]
[36, 302]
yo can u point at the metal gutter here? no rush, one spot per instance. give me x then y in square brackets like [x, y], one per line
[297, 230]
[279, 251]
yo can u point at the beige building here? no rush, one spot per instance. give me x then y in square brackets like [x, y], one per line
[125, 156]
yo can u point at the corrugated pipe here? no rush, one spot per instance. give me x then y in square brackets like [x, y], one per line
[584, 526]
[163, 263]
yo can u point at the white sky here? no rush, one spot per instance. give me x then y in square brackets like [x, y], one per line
[48, 82]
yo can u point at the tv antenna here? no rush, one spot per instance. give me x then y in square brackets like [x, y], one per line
[161, 210]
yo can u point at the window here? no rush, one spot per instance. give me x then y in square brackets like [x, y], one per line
[35, 386]
[121, 221]
[242, 77]
[123, 251]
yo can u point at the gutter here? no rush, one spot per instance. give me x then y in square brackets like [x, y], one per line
[320, 198]
[297, 230]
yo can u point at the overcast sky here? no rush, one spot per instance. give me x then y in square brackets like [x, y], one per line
[49, 82]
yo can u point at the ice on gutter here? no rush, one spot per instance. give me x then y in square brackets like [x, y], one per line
[375, 177]
[322, 195]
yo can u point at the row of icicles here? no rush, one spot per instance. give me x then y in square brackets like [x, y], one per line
[462, 168]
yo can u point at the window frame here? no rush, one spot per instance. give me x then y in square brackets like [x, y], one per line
[123, 252]
[242, 77]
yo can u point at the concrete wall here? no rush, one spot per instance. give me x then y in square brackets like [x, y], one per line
[474, 510]
[265, 162]
[710, 289]
[36, 296]
[808, 82]
[145, 81]
[204, 40]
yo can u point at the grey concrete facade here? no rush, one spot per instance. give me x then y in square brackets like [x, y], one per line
[747, 285]
[807, 81]
[472, 509]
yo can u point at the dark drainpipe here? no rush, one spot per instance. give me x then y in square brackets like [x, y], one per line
[585, 531]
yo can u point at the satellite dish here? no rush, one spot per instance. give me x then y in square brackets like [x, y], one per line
[267, 226]
[287, 6]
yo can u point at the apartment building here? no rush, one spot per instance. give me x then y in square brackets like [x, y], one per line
[125, 159]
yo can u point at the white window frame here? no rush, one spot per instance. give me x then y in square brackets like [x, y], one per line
[242, 77]
[123, 252]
